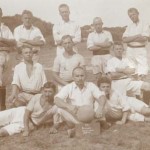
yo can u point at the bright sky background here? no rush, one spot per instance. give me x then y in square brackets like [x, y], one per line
[113, 12]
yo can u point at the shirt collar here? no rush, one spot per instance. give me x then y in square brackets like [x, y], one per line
[30, 28]
[75, 86]
[98, 33]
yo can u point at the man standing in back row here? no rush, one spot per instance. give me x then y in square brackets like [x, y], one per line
[99, 42]
[65, 27]
[136, 36]
[27, 34]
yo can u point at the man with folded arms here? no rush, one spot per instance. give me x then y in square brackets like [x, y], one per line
[27, 34]
[99, 42]
[136, 36]
[66, 27]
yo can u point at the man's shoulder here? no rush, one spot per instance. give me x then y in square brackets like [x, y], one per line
[5, 27]
[18, 27]
[20, 65]
[113, 59]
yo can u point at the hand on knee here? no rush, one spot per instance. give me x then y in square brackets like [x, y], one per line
[3, 132]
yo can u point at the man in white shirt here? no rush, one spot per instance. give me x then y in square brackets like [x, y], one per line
[40, 109]
[136, 36]
[122, 73]
[65, 27]
[65, 63]
[99, 42]
[122, 108]
[27, 34]
[77, 94]
[28, 79]
[7, 43]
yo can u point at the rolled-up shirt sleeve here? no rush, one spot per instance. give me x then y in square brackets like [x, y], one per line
[96, 92]
[77, 36]
[63, 93]
[16, 79]
[90, 41]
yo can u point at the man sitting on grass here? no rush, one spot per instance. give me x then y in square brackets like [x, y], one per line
[65, 63]
[79, 96]
[122, 108]
[40, 110]
[28, 79]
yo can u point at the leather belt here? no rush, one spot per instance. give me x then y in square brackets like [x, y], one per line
[140, 46]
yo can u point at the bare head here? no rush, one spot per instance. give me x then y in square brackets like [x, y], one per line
[67, 43]
[48, 91]
[118, 49]
[64, 12]
[104, 84]
[98, 24]
[27, 53]
[27, 18]
[79, 76]
[133, 14]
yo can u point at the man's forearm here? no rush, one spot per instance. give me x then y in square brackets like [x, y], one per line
[35, 43]
[101, 101]
[9, 42]
[125, 116]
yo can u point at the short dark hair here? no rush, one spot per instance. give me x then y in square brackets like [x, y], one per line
[66, 37]
[50, 84]
[117, 43]
[133, 10]
[78, 67]
[103, 79]
[27, 12]
[63, 5]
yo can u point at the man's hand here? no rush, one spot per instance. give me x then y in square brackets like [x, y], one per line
[99, 113]
[73, 109]
[119, 70]
[26, 133]
[53, 130]
[12, 98]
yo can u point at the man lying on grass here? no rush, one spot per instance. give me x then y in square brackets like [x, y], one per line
[40, 110]
[122, 108]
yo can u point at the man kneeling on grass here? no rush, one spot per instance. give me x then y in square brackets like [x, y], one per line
[122, 108]
[38, 111]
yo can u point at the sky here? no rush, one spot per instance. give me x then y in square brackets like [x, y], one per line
[112, 12]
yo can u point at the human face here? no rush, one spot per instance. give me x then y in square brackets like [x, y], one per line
[27, 54]
[118, 51]
[27, 20]
[64, 13]
[48, 93]
[79, 77]
[134, 16]
[68, 45]
[105, 87]
[98, 24]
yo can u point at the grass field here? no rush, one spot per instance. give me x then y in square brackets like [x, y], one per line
[131, 136]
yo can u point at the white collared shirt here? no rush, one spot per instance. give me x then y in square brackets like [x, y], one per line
[115, 62]
[135, 29]
[95, 37]
[34, 83]
[67, 28]
[118, 102]
[5, 32]
[64, 66]
[72, 94]
[21, 32]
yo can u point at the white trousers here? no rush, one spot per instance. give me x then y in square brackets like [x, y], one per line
[138, 56]
[12, 120]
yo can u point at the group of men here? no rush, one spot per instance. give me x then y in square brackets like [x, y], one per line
[118, 76]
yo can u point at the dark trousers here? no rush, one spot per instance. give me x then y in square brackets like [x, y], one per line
[2, 98]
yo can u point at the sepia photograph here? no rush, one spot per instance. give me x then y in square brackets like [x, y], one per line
[74, 74]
